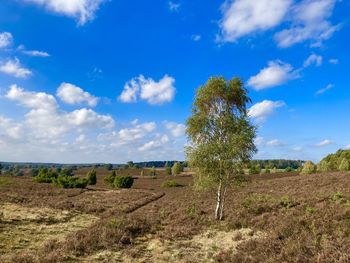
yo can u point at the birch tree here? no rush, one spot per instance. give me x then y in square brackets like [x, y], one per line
[221, 136]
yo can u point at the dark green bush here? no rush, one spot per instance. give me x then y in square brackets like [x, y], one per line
[167, 170]
[109, 179]
[46, 176]
[71, 182]
[67, 171]
[123, 182]
[92, 177]
[170, 184]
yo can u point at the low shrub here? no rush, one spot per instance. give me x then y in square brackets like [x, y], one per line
[71, 182]
[109, 179]
[46, 176]
[123, 182]
[170, 184]
[167, 170]
[152, 171]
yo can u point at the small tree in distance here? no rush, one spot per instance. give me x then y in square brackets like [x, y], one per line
[167, 170]
[177, 168]
[222, 136]
[92, 177]
[309, 168]
[108, 166]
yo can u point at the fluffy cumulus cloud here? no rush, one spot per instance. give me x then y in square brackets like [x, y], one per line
[46, 133]
[72, 94]
[310, 21]
[243, 17]
[82, 10]
[275, 74]
[45, 120]
[306, 20]
[5, 39]
[176, 129]
[14, 68]
[262, 110]
[154, 92]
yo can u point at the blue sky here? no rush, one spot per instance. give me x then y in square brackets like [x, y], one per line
[112, 81]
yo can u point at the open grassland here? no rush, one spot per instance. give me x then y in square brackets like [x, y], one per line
[271, 218]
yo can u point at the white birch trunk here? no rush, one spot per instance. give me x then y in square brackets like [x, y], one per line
[218, 202]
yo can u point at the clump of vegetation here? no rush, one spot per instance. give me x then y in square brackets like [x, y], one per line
[177, 168]
[289, 169]
[71, 182]
[254, 169]
[287, 202]
[344, 165]
[338, 197]
[339, 161]
[123, 182]
[46, 176]
[152, 171]
[170, 184]
[108, 166]
[109, 179]
[67, 171]
[92, 177]
[168, 170]
[309, 168]
[258, 204]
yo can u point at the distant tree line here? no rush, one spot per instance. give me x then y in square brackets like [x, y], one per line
[278, 164]
[339, 161]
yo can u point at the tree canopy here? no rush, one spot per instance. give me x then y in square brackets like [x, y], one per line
[221, 134]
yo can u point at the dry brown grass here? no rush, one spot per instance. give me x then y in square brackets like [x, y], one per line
[300, 218]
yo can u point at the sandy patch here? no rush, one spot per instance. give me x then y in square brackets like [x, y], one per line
[28, 228]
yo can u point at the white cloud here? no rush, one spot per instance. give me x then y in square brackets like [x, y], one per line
[137, 131]
[313, 59]
[324, 143]
[45, 120]
[174, 7]
[72, 94]
[275, 74]
[262, 110]
[244, 17]
[33, 53]
[306, 20]
[33, 100]
[327, 88]
[130, 92]
[82, 10]
[46, 133]
[309, 22]
[274, 143]
[10, 129]
[6, 39]
[196, 38]
[176, 129]
[13, 67]
[333, 61]
[154, 144]
[149, 90]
